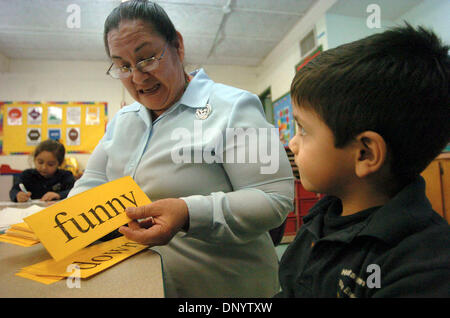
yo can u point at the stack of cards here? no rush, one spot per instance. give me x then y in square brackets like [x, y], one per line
[84, 263]
[20, 234]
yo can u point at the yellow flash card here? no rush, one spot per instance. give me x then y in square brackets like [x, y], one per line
[17, 240]
[90, 260]
[76, 222]
[47, 280]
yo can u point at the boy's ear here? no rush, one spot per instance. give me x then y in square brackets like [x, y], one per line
[371, 153]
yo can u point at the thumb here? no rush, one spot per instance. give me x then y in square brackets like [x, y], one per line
[28, 194]
[140, 212]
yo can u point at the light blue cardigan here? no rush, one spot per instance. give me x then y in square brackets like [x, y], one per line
[227, 251]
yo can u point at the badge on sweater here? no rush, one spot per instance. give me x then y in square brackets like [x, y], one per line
[203, 113]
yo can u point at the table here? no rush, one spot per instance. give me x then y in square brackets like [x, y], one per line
[138, 276]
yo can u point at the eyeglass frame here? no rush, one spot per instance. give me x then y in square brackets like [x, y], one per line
[130, 69]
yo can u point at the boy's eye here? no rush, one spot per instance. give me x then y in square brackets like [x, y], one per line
[301, 131]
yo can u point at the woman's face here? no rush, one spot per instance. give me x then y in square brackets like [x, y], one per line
[135, 41]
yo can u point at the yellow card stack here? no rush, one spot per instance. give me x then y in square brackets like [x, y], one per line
[20, 234]
[84, 263]
[66, 229]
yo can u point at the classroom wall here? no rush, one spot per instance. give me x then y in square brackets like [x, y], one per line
[433, 14]
[278, 69]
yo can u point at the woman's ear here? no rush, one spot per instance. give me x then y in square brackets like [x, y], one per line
[371, 153]
[179, 46]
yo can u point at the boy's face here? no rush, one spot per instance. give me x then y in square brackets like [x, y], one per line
[323, 167]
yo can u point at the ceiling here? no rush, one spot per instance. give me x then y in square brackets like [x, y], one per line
[223, 32]
[242, 33]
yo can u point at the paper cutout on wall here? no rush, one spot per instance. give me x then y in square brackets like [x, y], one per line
[34, 136]
[14, 116]
[73, 136]
[34, 115]
[73, 115]
[92, 115]
[54, 115]
[54, 133]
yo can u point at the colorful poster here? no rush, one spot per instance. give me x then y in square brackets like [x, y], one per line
[34, 136]
[73, 115]
[54, 116]
[34, 115]
[14, 116]
[73, 136]
[93, 115]
[19, 122]
[284, 120]
[54, 133]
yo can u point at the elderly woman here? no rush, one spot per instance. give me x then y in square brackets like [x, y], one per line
[211, 213]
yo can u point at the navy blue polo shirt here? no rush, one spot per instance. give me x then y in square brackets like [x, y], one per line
[401, 249]
[61, 182]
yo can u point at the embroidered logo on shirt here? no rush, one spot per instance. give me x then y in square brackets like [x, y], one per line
[348, 281]
[203, 113]
[57, 187]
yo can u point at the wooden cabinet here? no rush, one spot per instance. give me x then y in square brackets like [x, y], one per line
[437, 179]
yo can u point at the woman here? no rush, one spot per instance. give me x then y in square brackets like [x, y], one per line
[210, 215]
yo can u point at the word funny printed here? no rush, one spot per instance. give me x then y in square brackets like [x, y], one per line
[225, 307]
[76, 222]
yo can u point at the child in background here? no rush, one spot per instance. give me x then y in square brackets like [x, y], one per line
[371, 116]
[46, 182]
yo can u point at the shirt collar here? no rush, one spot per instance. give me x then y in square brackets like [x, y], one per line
[198, 91]
[406, 213]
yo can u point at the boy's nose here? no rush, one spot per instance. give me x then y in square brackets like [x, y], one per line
[293, 145]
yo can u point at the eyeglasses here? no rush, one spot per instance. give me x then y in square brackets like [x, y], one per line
[143, 66]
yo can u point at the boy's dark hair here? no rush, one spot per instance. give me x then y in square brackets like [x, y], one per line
[395, 83]
[52, 146]
[144, 10]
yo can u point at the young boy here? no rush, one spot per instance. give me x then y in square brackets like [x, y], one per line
[371, 116]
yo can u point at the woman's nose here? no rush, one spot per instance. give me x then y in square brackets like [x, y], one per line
[138, 77]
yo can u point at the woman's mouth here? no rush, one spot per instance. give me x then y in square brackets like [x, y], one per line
[149, 91]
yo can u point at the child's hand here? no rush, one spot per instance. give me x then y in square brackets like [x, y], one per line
[49, 196]
[23, 196]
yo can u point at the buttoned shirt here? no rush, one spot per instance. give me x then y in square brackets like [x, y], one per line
[401, 249]
[233, 197]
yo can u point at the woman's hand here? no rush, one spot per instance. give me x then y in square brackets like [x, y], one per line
[49, 196]
[23, 196]
[156, 223]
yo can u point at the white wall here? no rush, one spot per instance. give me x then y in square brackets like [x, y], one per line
[278, 69]
[434, 14]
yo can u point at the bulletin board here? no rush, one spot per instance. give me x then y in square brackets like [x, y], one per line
[284, 119]
[77, 125]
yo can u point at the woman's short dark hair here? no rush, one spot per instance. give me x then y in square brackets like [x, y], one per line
[395, 83]
[143, 10]
[52, 146]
